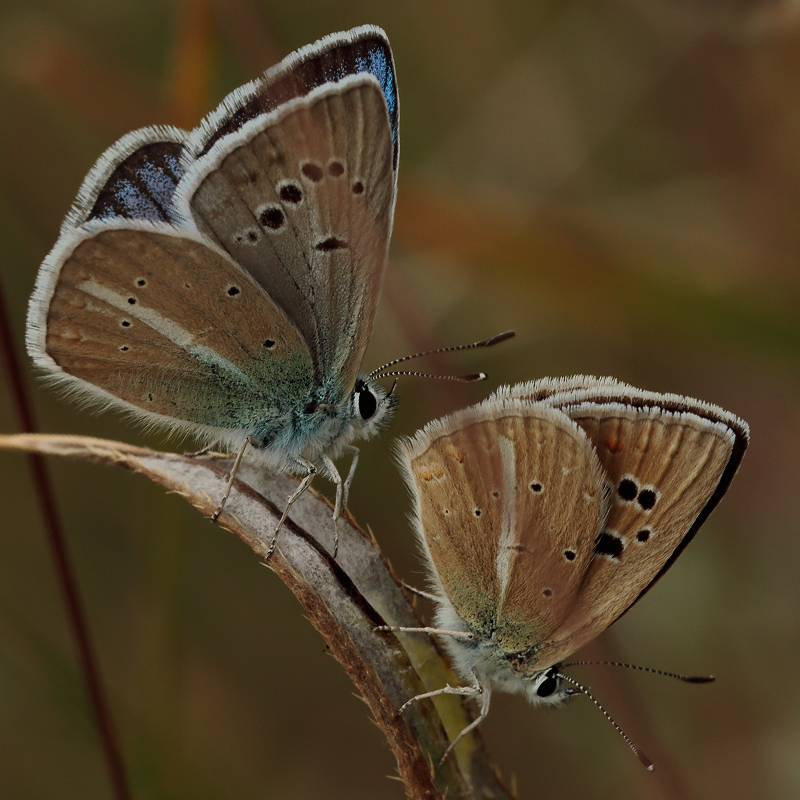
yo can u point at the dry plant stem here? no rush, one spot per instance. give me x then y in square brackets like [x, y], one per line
[345, 600]
[65, 576]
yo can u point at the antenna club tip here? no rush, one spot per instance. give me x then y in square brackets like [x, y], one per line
[501, 337]
[700, 679]
[478, 376]
[646, 762]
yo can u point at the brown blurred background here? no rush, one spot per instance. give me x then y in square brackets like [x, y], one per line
[618, 181]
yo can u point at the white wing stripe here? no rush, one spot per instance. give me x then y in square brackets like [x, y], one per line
[508, 530]
[166, 327]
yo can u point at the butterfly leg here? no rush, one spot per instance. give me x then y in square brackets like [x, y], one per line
[468, 691]
[199, 453]
[340, 490]
[234, 470]
[486, 693]
[355, 452]
[429, 631]
[311, 471]
[420, 593]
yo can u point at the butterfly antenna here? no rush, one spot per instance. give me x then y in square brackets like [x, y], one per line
[648, 764]
[501, 337]
[476, 376]
[684, 678]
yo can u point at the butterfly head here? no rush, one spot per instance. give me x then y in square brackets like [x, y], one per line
[546, 688]
[370, 409]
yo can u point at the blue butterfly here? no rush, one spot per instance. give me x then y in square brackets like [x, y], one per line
[224, 281]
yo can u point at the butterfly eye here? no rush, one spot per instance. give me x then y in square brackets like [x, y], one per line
[548, 683]
[367, 404]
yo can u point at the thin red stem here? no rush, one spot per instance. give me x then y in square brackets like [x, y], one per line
[65, 575]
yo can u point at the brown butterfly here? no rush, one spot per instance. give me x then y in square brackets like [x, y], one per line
[548, 510]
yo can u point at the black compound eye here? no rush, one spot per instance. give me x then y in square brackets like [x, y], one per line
[367, 404]
[547, 686]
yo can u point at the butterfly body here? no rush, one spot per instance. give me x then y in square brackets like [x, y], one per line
[546, 511]
[223, 282]
[484, 658]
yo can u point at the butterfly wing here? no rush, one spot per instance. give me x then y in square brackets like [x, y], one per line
[144, 316]
[302, 196]
[568, 394]
[135, 178]
[509, 498]
[670, 460]
[361, 50]
[176, 357]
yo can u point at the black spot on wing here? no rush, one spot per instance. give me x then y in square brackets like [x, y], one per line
[647, 498]
[609, 543]
[312, 171]
[331, 243]
[291, 193]
[627, 489]
[272, 218]
[142, 186]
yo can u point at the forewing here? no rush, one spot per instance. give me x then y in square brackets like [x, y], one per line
[303, 200]
[571, 393]
[666, 469]
[510, 498]
[153, 318]
[361, 50]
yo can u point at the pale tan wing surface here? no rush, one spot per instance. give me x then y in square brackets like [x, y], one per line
[565, 393]
[573, 392]
[150, 318]
[510, 501]
[303, 199]
[665, 468]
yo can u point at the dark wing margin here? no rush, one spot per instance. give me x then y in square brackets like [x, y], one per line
[562, 393]
[360, 50]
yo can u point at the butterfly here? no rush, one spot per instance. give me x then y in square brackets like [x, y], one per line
[223, 282]
[545, 512]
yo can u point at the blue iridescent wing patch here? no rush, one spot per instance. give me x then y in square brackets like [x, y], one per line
[135, 179]
[363, 50]
[143, 185]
